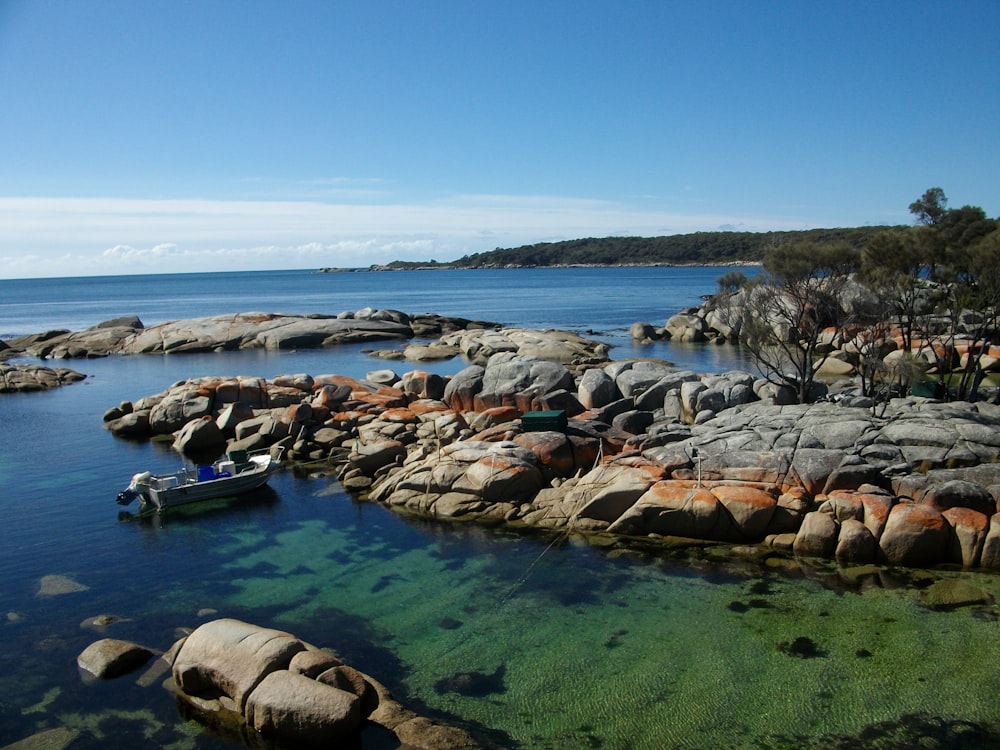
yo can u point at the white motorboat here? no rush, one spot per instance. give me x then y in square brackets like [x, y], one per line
[236, 474]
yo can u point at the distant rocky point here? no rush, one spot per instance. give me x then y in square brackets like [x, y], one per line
[246, 330]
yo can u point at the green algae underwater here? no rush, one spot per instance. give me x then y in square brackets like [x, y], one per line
[533, 641]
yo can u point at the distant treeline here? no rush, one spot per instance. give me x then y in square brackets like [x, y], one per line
[700, 248]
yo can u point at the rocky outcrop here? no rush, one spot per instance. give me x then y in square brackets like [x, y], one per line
[249, 330]
[29, 378]
[476, 340]
[647, 450]
[480, 345]
[237, 676]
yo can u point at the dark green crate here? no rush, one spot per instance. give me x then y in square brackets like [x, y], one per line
[540, 421]
[928, 389]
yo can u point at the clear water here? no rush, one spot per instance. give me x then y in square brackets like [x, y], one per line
[600, 647]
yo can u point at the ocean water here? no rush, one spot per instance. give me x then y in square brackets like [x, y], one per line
[590, 646]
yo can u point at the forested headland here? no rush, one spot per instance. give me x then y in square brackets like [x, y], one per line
[699, 248]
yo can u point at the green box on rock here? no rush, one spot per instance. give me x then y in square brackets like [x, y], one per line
[539, 421]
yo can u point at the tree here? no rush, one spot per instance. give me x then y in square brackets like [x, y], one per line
[894, 266]
[784, 313]
[930, 207]
[938, 278]
[975, 291]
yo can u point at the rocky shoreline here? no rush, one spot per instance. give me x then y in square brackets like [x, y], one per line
[646, 452]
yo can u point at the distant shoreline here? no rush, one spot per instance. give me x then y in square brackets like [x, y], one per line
[517, 266]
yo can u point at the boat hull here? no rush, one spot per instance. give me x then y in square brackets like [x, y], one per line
[169, 490]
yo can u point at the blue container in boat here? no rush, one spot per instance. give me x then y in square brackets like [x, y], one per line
[205, 473]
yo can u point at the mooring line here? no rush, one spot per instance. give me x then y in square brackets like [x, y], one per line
[527, 571]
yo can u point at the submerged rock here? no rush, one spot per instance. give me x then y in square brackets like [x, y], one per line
[56, 585]
[473, 684]
[109, 658]
[293, 692]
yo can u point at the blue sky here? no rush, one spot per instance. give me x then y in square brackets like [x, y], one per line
[140, 136]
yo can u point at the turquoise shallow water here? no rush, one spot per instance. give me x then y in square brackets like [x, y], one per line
[589, 646]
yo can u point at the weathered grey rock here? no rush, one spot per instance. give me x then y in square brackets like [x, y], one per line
[479, 346]
[296, 708]
[233, 657]
[642, 332]
[686, 327]
[852, 475]
[370, 457]
[248, 330]
[313, 662]
[671, 509]
[516, 380]
[464, 386]
[831, 453]
[690, 390]
[748, 509]
[855, 543]
[134, 425]
[558, 400]
[633, 421]
[817, 537]
[231, 416]
[914, 535]
[634, 378]
[612, 410]
[608, 491]
[200, 436]
[178, 407]
[813, 467]
[28, 378]
[780, 395]
[109, 658]
[968, 530]
[990, 557]
[596, 389]
[958, 493]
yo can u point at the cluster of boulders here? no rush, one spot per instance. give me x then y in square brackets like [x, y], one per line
[647, 450]
[478, 345]
[841, 352]
[243, 678]
[29, 378]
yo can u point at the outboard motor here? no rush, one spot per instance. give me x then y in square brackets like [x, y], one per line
[132, 492]
[126, 496]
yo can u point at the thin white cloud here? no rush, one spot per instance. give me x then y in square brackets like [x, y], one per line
[82, 236]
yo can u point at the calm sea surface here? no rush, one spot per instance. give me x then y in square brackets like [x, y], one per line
[601, 648]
